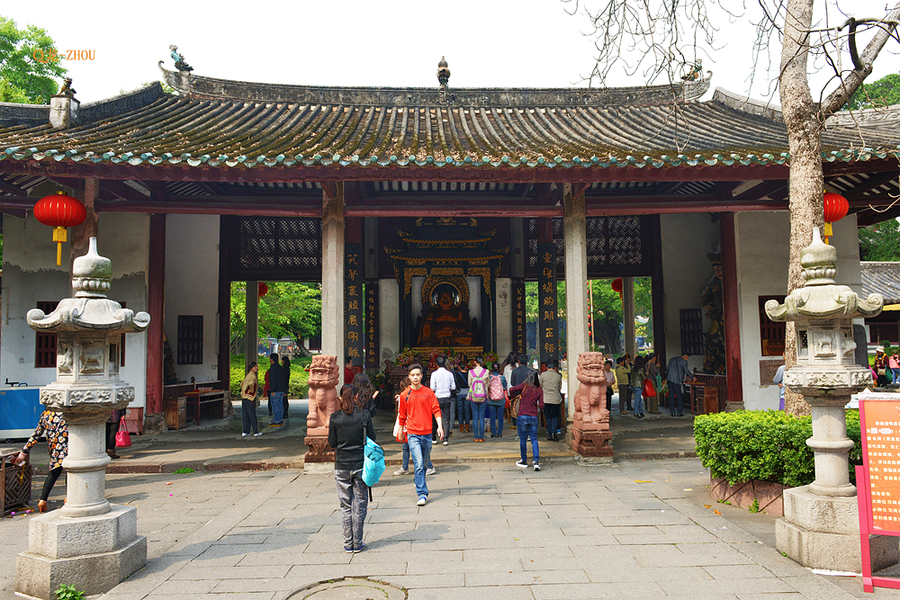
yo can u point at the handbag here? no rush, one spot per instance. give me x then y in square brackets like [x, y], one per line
[373, 462]
[649, 390]
[123, 438]
[399, 434]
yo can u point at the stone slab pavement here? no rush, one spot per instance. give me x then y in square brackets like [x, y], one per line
[632, 529]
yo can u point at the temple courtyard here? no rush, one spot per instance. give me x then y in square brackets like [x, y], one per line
[643, 526]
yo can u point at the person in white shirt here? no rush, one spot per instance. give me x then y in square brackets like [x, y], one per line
[443, 383]
[610, 382]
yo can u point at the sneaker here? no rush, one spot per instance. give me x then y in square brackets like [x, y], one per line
[244, 434]
[522, 464]
[446, 443]
[360, 548]
[422, 501]
[257, 434]
[348, 549]
[537, 467]
[401, 471]
[430, 471]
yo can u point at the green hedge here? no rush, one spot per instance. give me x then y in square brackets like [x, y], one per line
[764, 445]
[297, 386]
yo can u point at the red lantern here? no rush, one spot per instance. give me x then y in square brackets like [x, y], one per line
[59, 211]
[836, 208]
[263, 289]
[617, 285]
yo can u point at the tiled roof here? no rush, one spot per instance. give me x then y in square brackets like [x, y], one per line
[639, 127]
[881, 278]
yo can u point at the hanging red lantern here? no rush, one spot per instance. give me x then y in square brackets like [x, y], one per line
[263, 289]
[835, 209]
[617, 285]
[59, 211]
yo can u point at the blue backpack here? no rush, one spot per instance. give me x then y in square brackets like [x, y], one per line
[373, 461]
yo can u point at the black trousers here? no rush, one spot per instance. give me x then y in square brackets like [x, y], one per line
[52, 476]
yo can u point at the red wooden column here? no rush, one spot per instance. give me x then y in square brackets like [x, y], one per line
[82, 234]
[735, 390]
[156, 306]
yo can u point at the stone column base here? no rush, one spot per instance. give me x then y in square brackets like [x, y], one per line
[823, 533]
[94, 554]
[318, 449]
[591, 442]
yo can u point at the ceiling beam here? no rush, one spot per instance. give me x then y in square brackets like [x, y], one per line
[766, 189]
[123, 191]
[191, 208]
[871, 183]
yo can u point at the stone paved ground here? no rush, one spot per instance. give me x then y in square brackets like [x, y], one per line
[636, 529]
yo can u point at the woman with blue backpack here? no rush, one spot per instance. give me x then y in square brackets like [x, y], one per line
[347, 432]
[478, 390]
[497, 400]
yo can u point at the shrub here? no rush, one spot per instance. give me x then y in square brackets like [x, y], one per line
[764, 445]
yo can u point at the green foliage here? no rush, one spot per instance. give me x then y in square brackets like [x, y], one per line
[754, 508]
[763, 445]
[183, 471]
[608, 315]
[884, 92]
[289, 309]
[68, 592]
[297, 384]
[24, 79]
[880, 241]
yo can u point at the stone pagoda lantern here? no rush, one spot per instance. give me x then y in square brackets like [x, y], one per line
[88, 543]
[820, 528]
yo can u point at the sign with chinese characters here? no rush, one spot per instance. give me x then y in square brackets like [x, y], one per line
[372, 324]
[353, 304]
[548, 332]
[880, 434]
[519, 336]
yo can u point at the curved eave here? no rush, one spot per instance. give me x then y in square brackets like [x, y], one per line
[486, 162]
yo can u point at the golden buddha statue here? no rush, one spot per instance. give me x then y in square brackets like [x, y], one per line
[445, 323]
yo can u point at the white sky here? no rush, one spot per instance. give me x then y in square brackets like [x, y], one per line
[488, 43]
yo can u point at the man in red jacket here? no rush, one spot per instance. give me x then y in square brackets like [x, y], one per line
[416, 410]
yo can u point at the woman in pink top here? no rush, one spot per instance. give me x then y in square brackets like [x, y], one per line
[894, 366]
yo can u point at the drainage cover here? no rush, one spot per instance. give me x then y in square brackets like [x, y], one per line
[349, 588]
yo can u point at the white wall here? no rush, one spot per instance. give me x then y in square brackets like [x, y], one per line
[763, 249]
[686, 240]
[192, 279]
[30, 275]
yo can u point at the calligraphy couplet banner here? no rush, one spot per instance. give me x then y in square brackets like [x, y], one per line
[353, 303]
[879, 420]
[519, 339]
[372, 324]
[548, 323]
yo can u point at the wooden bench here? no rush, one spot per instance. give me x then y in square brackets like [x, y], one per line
[215, 398]
[707, 394]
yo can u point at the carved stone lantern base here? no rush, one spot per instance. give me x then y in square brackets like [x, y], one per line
[823, 533]
[56, 555]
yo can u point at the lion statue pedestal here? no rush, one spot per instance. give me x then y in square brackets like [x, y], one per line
[590, 427]
[324, 376]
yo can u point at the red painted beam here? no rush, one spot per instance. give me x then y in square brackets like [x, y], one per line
[186, 208]
[450, 210]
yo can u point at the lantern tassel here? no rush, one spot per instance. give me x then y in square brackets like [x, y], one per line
[59, 236]
[828, 231]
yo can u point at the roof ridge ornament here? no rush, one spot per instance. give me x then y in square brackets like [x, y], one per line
[443, 73]
[179, 60]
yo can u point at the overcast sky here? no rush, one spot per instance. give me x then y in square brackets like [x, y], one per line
[487, 43]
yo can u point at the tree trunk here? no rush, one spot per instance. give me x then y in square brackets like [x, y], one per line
[806, 181]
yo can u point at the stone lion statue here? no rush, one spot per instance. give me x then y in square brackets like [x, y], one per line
[324, 375]
[590, 400]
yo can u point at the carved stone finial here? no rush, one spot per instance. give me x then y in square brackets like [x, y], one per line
[91, 273]
[819, 261]
[443, 73]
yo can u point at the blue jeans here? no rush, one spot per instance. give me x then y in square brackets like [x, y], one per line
[406, 458]
[420, 452]
[463, 407]
[896, 375]
[527, 427]
[277, 407]
[479, 410]
[638, 400]
[676, 399]
[497, 409]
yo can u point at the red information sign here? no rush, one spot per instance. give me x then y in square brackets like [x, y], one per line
[878, 480]
[881, 459]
